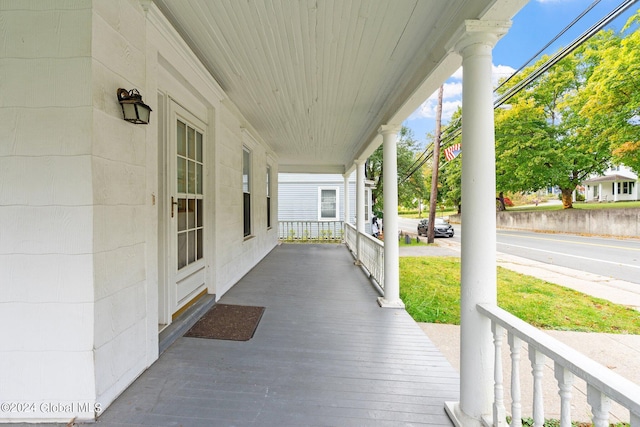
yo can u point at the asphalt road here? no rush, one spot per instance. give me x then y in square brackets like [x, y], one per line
[610, 257]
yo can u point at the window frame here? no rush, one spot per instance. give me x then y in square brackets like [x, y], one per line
[192, 193]
[247, 213]
[269, 197]
[336, 189]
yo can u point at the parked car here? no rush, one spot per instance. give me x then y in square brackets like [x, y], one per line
[441, 228]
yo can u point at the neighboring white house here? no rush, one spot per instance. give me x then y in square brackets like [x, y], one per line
[320, 197]
[617, 184]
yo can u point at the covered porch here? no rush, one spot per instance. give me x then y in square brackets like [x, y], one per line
[324, 353]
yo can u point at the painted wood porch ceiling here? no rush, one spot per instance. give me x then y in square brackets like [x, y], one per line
[317, 78]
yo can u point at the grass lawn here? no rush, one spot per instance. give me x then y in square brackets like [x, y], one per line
[407, 213]
[430, 289]
[576, 205]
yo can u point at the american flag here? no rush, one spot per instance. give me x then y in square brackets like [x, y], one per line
[452, 151]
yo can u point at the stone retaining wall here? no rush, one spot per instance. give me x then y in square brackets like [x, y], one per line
[608, 222]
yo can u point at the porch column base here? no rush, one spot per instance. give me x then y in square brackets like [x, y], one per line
[459, 418]
[382, 302]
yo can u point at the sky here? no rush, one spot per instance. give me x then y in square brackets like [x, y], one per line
[532, 28]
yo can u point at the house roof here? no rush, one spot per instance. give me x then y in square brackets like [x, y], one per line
[610, 178]
[316, 79]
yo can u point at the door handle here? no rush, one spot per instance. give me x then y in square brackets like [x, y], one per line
[173, 203]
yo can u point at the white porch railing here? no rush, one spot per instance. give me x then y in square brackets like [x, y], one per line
[370, 253]
[310, 231]
[603, 385]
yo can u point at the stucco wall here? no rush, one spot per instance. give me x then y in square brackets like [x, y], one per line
[119, 169]
[46, 198]
[81, 198]
[614, 222]
[235, 254]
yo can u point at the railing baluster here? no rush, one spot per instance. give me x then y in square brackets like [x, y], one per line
[603, 385]
[499, 416]
[537, 365]
[311, 231]
[565, 382]
[515, 345]
[600, 405]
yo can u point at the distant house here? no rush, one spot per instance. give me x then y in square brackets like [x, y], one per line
[617, 184]
[320, 198]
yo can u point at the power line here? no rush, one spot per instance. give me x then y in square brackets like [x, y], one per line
[564, 52]
[455, 129]
[553, 40]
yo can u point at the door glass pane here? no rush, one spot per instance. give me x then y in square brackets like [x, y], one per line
[182, 250]
[191, 188]
[182, 214]
[199, 146]
[199, 213]
[181, 137]
[192, 246]
[198, 178]
[182, 175]
[191, 214]
[200, 243]
[191, 142]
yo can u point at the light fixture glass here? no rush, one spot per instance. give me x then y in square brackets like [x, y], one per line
[134, 110]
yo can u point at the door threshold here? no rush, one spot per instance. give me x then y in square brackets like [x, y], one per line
[184, 322]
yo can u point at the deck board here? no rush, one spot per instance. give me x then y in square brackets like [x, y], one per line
[324, 354]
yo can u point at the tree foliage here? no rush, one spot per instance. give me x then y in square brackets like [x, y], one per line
[450, 178]
[611, 105]
[408, 190]
[545, 139]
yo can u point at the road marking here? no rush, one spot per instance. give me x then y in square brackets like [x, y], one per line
[574, 256]
[569, 241]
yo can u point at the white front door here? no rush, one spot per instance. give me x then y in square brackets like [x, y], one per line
[186, 257]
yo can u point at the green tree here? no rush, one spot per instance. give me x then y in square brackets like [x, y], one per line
[408, 190]
[540, 140]
[450, 178]
[611, 97]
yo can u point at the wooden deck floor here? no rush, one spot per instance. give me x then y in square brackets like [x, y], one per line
[324, 354]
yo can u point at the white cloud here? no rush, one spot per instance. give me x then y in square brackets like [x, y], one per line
[452, 95]
[451, 90]
[500, 72]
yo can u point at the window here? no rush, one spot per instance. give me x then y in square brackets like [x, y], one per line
[268, 196]
[367, 198]
[246, 189]
[328, 207]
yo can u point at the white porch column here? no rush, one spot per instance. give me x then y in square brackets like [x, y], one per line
[615, 191]
[600, 192]
[478, 271]
[359, 206]
[347, 213]
[391, 297]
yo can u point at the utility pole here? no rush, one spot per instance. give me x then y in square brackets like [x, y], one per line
[434, 173]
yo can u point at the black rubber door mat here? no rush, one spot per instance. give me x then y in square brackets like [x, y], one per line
[227, 322]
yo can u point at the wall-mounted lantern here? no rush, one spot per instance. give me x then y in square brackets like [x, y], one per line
[134, 110]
